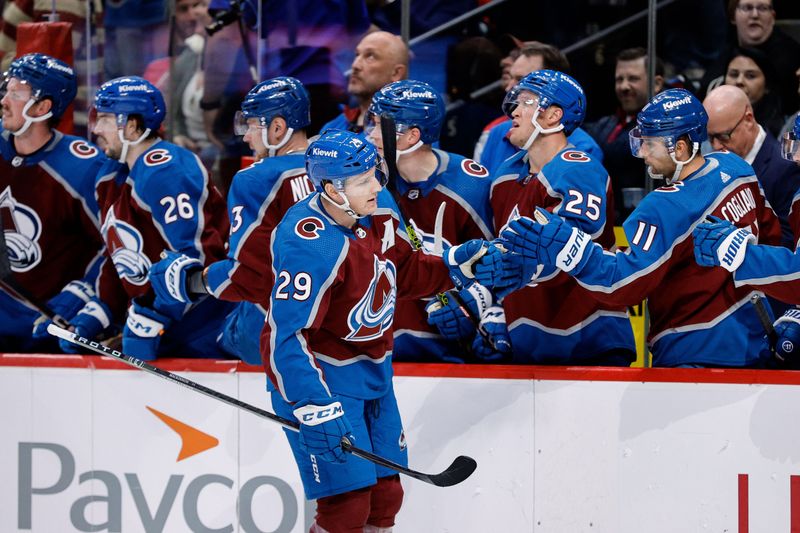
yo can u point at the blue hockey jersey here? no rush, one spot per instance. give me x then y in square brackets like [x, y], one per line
[697, 314]
[329, 327]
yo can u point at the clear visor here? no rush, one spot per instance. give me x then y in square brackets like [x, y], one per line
[517, 97]
[22, 92]
[790, 147]
[372, 124]
[107, 120]
[240, 125]
[641, 145]
[381, 173]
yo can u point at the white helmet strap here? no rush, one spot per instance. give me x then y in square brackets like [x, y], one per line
[29, 119]
[273, 148]
[126, 143]
[344, 206]
[537, 129]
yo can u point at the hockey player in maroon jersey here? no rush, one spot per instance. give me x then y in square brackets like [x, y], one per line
[341, 259]
[273, 119]
[157, 197]
[47, 205]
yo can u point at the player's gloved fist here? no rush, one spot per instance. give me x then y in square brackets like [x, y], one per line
[64, 304]
[493, 343]
[449, 318]
[720, 243]
[462, 261]
[322, 427]
[88, 323]
[548, 241]
[787, 344]
[170, 278]
[143, 329]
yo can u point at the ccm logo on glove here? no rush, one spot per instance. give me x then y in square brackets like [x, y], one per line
[311, 415]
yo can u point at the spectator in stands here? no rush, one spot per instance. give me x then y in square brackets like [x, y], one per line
[136, 33]
[733, 126]
[381, 58]
[494, 146]
[611, 132]
[755, 28]
[750, 70]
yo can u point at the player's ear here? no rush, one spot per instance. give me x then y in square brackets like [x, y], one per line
[43, 106]
[330, 190]
[554, 115]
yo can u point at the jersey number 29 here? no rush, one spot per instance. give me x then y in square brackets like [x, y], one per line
[301, 285]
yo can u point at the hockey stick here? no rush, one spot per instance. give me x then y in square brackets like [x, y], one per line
[10, 286]
[461, 468]
[766, 323]
[389, 140]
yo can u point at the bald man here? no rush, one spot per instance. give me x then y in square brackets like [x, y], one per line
[381, 58]
[733, 127]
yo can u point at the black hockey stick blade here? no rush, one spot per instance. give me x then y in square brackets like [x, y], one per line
[766, 323]
[389, 141]
[457, 472]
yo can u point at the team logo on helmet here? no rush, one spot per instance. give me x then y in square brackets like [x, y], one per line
[373, 314]
[309, 227]
[473, 168]
[22, 228]
[126, 244]
[83, 150]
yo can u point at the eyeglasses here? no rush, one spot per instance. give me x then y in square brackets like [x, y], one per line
[725, 136]
[760, 8]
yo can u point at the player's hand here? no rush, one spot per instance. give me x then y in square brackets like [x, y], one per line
[88, 323]
[720, 243]
[449, 318]
[551, 241]
[141, 336]
[64, 304]
[787, 343]
[322, 427]
[170, 278]
[474, 259]
[493, 344]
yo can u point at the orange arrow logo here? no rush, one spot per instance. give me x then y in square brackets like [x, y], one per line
[193, 441]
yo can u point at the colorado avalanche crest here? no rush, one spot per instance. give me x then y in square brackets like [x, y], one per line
[373, 314]
[22, 228]
[125, 244]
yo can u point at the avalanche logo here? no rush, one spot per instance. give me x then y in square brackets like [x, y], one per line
[125, 244]
[374, 313]
[82, 150]
[309, 228]
[573, 156]
[473, 168]
[22, 228]
[159, 156]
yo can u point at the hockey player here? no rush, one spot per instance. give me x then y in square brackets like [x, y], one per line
[698, 316]
[772, 269]
[47, 205]
[159, 197]
[273, 119]
[434, 188]
[341, 258]
[551, 319]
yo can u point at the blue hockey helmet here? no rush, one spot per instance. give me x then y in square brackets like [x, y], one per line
[672, 114]
[131, 95]
[48, 78]
[338, 155]
[412, 104]
[790, 142]
[553, 88]
[283, 97]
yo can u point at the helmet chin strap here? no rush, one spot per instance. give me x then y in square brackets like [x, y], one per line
[408, 150]
[29, 119]
[537, 129]
[126, 143]
[273, 148]
[678, 165]
[345, 206]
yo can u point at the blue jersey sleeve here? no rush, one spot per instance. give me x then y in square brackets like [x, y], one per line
[300, 298]
[772, 269]
[583, 184]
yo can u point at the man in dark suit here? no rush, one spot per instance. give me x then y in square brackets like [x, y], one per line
[732, 127]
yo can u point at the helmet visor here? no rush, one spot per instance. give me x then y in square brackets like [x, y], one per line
[790, 146]
[372, 126]
[642, 145]
[517, 97]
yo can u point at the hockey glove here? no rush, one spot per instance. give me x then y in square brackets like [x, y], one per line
[720, 243]
[787, 343]
[88, 323]
[142, 334]
[462, 260]
[449, 318]
[493, 343]
[170, 279]
[550, 242]
[322, 427]
[64, 304]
